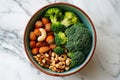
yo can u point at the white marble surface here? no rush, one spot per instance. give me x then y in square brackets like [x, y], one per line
[105, 64]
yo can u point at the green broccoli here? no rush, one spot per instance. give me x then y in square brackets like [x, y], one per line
[59, 50]
[60, 39]
[76, 58]
[55, 15]
[79, 38]
[69, 19]
[57, 27]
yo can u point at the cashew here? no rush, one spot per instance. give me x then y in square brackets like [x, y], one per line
[43, 61]
[67, 68]
[43, 35]
[38, 55]
[60, 65]
[63, 57]
[36, 58]
[46, 55]
[53, 68]
[53, 63]
[68, 61]
[54, 56]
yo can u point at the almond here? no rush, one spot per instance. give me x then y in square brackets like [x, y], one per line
[32, 36]
[37, 32]
[35, 51]
[32, 44]
[44, 49]
[41, 44]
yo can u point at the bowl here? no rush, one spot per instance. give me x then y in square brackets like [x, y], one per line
[85, 19]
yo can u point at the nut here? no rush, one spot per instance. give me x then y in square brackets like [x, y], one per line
[52, 46]
[63, 57]
[38, 24]
[43, 35]
[50, 33]
[50, 52]
[61, 65]
[67, 68]
[32, 36]
[35, 51]
[68, 60]
[48, 27]
[38, 55]
[54, 56]
[47, 66]
[41, 44]
[36, 58]
[45, 20]
[47, 61]
[53, 62]
[37, 32]
[32, 44]
[53, 68]
[44, 49]
[46, 55]
[50, 39]
[43, 61]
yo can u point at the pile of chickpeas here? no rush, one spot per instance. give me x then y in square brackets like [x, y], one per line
[42, 45]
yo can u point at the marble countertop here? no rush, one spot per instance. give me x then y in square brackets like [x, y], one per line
[105, 64]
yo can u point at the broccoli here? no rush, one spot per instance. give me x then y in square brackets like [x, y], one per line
[76, 58]
[69, 19]
[57, 27]
[59, 50]
[55, 15]
[79, 38]
[60, 39]
[59, 21]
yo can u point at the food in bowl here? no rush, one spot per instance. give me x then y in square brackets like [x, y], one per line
[59, 40]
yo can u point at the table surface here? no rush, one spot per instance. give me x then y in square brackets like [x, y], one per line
[105, 64]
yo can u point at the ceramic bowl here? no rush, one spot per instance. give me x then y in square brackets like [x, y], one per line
[82, 16]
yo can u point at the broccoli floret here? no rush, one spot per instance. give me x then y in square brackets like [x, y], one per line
[54, 14]
[76, 58]
[60, 38]
[59, 50]
[79, 38]
[69, 19]
[57, 27]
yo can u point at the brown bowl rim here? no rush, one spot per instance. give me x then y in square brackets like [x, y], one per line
[95, 39]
